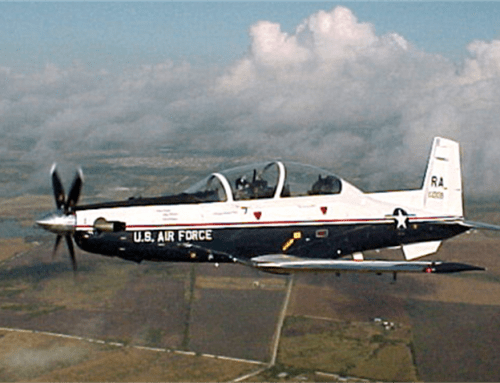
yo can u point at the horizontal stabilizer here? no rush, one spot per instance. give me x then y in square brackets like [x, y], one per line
[284, 264]
[480, 225]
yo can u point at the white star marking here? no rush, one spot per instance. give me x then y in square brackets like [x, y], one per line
[400, 220]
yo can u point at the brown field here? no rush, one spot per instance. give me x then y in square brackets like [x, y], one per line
[148, 304]
[25, 208]
[151, 304]
[238, 283]
[232, 311]
[456, 342]
[10, 247]
[44, 358]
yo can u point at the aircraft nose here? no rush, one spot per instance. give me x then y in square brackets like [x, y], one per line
[58, 223]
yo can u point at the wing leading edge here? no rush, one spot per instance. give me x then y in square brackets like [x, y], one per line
[284, 264]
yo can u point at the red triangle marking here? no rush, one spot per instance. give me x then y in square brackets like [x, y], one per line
[257, 214]
[324, 209]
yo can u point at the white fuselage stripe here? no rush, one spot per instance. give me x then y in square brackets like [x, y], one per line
[267, 224]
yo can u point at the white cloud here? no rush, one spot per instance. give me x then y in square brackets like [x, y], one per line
[333, 93]
[356, 93]
[274, 48]
[337, 34]
[485, 61]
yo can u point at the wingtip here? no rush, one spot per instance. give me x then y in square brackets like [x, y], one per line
[455, 267]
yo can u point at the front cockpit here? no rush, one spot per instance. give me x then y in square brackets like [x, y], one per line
[265, 181]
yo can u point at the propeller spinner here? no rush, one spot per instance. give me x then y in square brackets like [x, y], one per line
[63, 221]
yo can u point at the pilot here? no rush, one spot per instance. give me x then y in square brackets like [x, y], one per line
[323, 185]
[260, 188]
[242, 183]
[243, 190]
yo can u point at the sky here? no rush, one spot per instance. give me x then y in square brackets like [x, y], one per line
[117, 35]
[359, 88]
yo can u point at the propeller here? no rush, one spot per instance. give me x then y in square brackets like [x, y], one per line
[63, 221]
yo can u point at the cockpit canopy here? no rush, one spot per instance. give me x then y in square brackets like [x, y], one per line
[266, 180]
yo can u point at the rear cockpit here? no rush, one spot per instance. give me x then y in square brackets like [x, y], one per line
[265, 181]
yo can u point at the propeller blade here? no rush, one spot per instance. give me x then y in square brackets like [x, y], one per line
[56, 245]
[71, 249]
[63, 223]
[57, 188]
[74, 193]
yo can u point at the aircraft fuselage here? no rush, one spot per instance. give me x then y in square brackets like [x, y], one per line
[313, 227]
[278, 217]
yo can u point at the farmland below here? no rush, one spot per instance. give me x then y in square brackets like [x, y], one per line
[120, 321]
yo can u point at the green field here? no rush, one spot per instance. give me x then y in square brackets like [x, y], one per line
[360, 349]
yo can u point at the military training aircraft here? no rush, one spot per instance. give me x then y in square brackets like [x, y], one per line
[278, 217]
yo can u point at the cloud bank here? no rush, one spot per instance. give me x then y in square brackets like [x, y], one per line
[333, 93]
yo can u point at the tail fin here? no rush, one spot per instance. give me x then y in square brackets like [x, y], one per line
[443, 179]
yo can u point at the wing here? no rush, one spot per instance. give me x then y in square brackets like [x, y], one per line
[284, 264]
[287, 264]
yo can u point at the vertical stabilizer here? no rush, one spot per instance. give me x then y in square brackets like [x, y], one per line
[443, 180]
